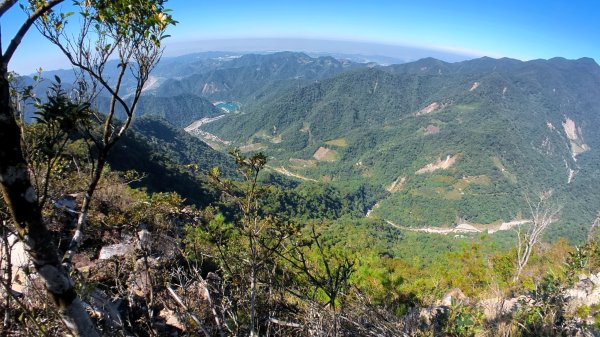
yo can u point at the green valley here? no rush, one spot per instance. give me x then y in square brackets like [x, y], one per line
[468, 140]
[348, 190]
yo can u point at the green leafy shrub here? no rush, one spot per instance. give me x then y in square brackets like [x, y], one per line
[461, 320]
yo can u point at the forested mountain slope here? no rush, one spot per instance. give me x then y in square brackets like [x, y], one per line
[451, 142]
[170, 159]
[253, 76]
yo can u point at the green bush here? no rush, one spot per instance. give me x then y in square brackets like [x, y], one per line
[461, 320]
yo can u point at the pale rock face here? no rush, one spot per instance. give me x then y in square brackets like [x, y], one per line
[595, 279]
[570, 129]
[172, 318]
[494, 307]
[441, 164]
[105, 309]
[585, 292]
[397, 185]
[118, 249]
[145, 238]
[453, 296]
[429, 109]
[576, 141]
[139, 283]
[19, 260]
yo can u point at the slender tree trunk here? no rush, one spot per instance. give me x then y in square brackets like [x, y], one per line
[253, 294]
[22, 202]
[83, 214]
[7, 254]
[252, 299]
[543, 213]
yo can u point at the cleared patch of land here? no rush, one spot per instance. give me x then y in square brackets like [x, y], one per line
[305, 127]
[303, 163]
[441, 164]
[467, 107]
[284, 171]
[510, 176]
[252, 147]
[463, 228]
[325, 154]
[277, 139]
[431, 129]
[428, 109]
[573, 133]
[210, 139]
[195, 125]
[396, 185]
[341, 142]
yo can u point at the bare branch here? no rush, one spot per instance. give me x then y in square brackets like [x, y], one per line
[179, 301]
[284, 323]
[6, 5]
[543, 213]
[16, 41]
[593, 227]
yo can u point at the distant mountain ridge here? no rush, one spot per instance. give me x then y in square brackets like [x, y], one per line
[182, 86]
[254, 76]
[450, 142]
[512, 127]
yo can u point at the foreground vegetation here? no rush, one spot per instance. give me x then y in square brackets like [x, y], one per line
[271, 256]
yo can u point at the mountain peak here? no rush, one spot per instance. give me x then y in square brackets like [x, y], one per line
[587, 61]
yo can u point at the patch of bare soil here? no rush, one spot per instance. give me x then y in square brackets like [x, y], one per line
[198, 123]
[441, 164]
[428, 109]
[573, 134]
[252, 147]
[210, 88]
[303, 163]
[432, 129]
[284, 171]
[397, 185]
[507, 225]
[570, 129]
[277, 139]
[325, 154]
[463, 228]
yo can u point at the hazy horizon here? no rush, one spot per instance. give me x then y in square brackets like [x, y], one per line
[357, 51]
[399, 53]
[450, 31]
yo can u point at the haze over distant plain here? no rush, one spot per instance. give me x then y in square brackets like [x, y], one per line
[403, 30]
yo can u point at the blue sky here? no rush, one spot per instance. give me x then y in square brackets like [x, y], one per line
[525, 29]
